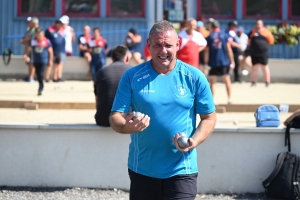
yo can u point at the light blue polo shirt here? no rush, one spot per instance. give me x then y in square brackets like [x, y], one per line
[172, 102]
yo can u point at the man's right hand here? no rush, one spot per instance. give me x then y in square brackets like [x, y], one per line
[136, 125]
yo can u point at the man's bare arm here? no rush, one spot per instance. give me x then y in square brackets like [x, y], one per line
[204, 129]
[230, 54]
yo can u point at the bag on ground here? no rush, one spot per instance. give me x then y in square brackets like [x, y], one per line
[267, 116]
[284, 181]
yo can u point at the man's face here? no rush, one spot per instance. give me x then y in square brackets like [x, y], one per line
[163, 48]
[97, 33]
[86, 30]
[259, 24]
[58, 26]
[39, 35]
[192, 25]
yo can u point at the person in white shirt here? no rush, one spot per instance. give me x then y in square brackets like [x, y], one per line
[244, 58]
[69, 34]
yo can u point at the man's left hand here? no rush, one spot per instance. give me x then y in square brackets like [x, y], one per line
[191, 142]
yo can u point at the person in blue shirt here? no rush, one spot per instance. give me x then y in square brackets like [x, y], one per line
[98, 48]
[218, 57]
[42, 55]
[169, 93]
[133, 42]
[56, 35]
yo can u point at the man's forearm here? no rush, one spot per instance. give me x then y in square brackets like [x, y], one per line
[117, 122]
[204, 129]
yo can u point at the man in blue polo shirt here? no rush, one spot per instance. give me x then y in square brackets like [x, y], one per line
[218, 57]
[171, 93]
[56, 35]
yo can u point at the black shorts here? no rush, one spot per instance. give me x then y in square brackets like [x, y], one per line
[262, 59]
[182, 187]
[219, 71]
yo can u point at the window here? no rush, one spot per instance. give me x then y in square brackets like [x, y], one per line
[81, 8]
[175, 10]
[222, 9]
[36, 7]
[294, 11]
[270, 9]
[125, 8]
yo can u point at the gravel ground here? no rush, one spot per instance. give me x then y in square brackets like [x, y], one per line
[26, 193]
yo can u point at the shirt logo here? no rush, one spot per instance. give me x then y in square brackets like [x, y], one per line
[143, 77]
[180, 91]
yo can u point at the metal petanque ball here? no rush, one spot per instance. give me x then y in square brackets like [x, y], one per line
[137, 114]
[183, 141]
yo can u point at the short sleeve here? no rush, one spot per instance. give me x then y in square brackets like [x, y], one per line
[122, 101]
[49, 44]
[204, 102]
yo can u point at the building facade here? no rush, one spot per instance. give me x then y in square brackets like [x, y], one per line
[115, 17]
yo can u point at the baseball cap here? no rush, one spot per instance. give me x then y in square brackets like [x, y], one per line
[35, 20]
[233, 23]
[28, 19]
[64, 19]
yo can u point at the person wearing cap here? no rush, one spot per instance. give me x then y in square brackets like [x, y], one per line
[32, 25]
[218, 57]
[69, 34]
[56, 35]
[260, 39]
[191, 43]
[133, 42]
[236, 47]
[98, 48]
[42, 55]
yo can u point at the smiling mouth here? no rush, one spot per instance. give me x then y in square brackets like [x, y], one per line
[163, 57]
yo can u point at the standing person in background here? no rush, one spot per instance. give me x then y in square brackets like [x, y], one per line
[192, 42]
[244, 58]
[98, 48]
[260, 38]
[219, 57]
[32, 25]
[133, 42]
[236, 48]
[42, 55]
[171, 94]
[107, 81]
[83, 41]
[56, 35]
[69, 34]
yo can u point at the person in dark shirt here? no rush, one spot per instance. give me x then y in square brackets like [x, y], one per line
[56, 35]
[98, 48]
[219, 57]
[107, 81]
[42, 55]
[83, 41]
[260, 38]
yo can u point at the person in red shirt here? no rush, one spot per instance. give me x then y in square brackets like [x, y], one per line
[83, 41]
[192, 42]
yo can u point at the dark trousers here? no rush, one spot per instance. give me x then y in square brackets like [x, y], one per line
[183, 187]
[94, 69]
[237, 66]
[40, 71]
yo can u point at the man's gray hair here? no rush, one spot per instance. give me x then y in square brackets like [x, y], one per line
[161, 27]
